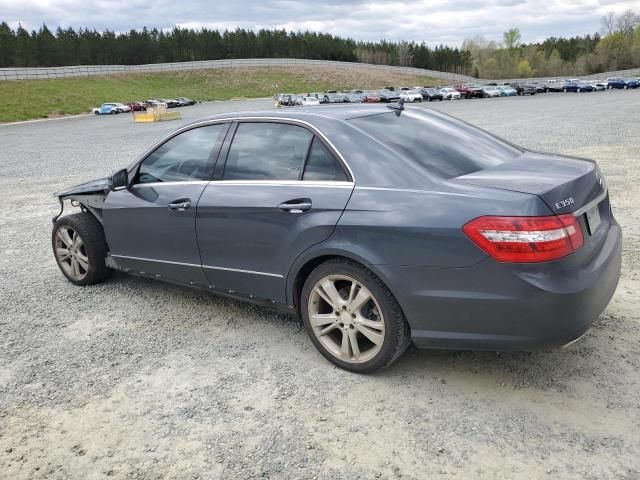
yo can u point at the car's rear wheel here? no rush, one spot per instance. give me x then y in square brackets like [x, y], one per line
[80, 248]
[352, 318]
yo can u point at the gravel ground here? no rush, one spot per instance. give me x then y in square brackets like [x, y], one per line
[137, 379]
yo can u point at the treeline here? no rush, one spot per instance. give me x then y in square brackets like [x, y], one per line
[617, 47]
[66, 46]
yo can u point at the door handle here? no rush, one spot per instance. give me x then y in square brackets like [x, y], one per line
[298, 205]
[180, 205]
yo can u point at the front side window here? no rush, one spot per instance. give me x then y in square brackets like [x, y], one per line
[321, 165]
[183, 158]
[267, 151]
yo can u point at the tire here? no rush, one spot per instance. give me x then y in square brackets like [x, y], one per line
[89, 256]
[578, 90]
[97, 113]
[381, 308]
[564, 90]
[625, 87]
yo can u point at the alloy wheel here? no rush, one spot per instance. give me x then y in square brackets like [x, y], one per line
[71, 253]
[346, 319]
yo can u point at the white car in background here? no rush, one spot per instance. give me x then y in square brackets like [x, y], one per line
[122, 108]
[450, 93]
[411, 96]
[598, 85]
[308, 101]
[490, 91]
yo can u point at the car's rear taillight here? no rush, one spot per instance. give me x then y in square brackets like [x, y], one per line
[526, 239]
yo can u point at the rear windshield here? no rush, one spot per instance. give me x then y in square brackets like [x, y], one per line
[443, 145]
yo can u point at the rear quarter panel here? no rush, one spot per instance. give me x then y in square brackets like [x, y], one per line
[406, 227]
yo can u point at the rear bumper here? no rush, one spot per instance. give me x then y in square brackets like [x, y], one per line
[493, 306]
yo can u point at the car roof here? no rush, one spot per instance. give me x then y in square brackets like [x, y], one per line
[336, 112]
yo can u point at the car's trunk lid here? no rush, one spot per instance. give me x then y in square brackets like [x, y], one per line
[564, 184]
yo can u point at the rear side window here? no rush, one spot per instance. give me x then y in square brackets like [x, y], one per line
[182, 158]
[267, 151]
[443, 145]
[321, 165]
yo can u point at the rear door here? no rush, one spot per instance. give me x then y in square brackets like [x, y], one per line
[151, 225]
[280, 191]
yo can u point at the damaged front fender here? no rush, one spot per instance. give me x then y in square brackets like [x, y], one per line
[88, 196]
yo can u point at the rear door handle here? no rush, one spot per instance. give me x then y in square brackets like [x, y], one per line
[180, 205]
[297, 205]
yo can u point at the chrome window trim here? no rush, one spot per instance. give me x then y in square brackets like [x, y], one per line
[591, 204]
[210, 267]
[168, 184]
[203, 123]
[283, 183]
[265, 183]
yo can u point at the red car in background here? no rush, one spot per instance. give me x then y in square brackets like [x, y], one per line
[468, 90]
[371, 97]
[137, 106]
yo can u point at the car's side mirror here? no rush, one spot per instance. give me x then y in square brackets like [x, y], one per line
[119, 180]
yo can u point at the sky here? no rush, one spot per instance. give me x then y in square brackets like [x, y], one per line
[434, 22]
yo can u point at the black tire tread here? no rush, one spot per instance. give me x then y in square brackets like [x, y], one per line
[95, 243]
[402, 338]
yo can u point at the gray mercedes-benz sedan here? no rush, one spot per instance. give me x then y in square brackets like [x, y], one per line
[378, 226]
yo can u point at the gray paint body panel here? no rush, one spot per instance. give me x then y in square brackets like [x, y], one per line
[239, 226]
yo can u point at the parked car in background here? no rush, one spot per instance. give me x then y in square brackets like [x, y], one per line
[285, 99]
[491, 91]
[540, 87]
[449, 93]
[553, 85]
[137, 106]
[598, 85]
[430, 94]
[523, 88]
[388, 96]
[107, 109]
[154, 103]
[507, 91]
[310, 101]
[371, 96]
[411, 96]
[470, 90]
[622, 83]
[184, 101]
[354, 96]
[171, 102]
[575, 85]
[122, 108]
[354, 207]
[333, 96]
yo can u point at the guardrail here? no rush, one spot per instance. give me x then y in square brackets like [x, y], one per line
[90, 70]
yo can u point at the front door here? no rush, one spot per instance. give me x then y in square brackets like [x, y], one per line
[150, 226]
[281, 191]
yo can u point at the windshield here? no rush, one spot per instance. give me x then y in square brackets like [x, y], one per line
[445, 146]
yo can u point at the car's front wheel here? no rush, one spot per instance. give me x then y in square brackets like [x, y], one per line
[80, 248]
[352, 318]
